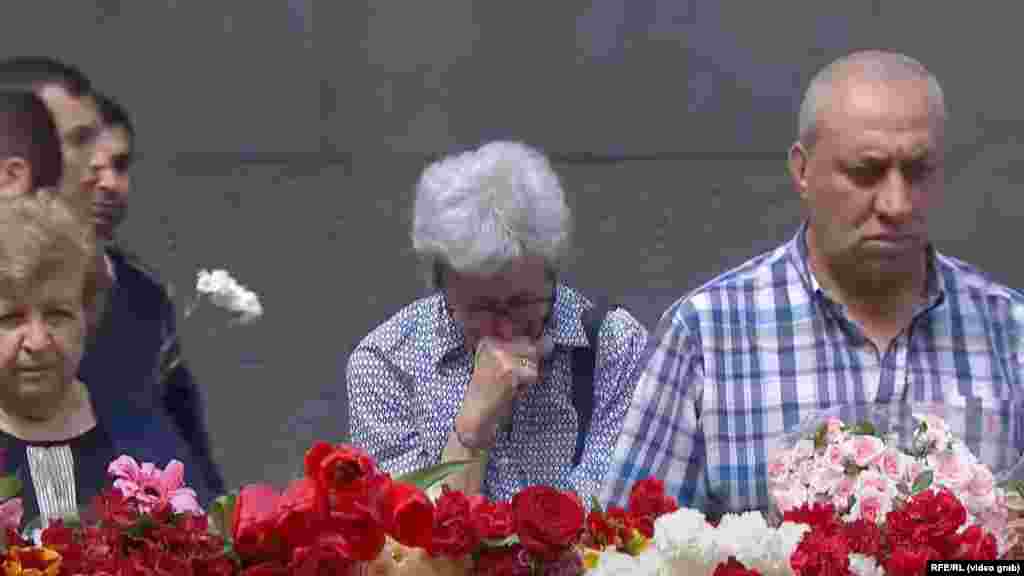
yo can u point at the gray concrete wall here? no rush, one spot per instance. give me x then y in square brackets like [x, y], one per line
[281, 140]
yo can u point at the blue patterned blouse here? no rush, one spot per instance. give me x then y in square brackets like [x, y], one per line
[407, 380]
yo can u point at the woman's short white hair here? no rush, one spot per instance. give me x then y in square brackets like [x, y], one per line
[478, 211]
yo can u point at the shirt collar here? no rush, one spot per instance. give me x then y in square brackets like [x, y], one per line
[565, 327]
[935, 288]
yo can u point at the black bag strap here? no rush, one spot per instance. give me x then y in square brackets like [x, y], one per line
[584, 362]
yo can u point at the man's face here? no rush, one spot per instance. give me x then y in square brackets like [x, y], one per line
[78, 122]
[873, 174]
[111, 158]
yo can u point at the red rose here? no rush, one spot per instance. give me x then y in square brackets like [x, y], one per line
[491, 520]
[906, 561]
[734, 568]
[505, 561]
[454, 533]
[647, 498]
[254, 520]
[341, 468]
[975, 544]
[547, 520]
[297, 515]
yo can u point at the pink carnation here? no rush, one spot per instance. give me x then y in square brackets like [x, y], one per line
[11, 512]
[151, 487]
[866, 449]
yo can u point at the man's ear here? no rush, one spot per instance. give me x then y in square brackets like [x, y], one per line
[798, 160]
[15, 175]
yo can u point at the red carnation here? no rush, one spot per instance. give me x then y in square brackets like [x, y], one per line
[864, 537]
[454, 532]
[819, 516]
[821, 554]
[505, 561]
[491, 520]
[647, 498]
[734, 568]
[600, 532]
[975, 544]
[906, 561]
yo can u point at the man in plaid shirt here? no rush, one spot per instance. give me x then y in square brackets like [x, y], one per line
[857, 309]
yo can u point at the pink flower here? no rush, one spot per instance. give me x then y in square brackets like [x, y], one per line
[825, 480]
[893, 464]
[912, 470]
[951, 470]
[150, 487]
[834, 431]
[10, 514]
[835, 456]
[866, 449]
[872, 506]
[789, 498]
[778, 465]
[871, 480]
[936, 434]
[844, 490]
[982, 482]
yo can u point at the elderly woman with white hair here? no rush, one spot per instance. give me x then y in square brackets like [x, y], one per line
[497, 364]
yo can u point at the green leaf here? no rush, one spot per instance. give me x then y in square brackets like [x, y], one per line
[1015, 485]
[10, 487]
[503, 543]
[427, 477]
[922, 482]
[221, 513]
[865, 429]
[595, 505]
[819, 437]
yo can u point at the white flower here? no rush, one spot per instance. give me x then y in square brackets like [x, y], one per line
[226, 292]
[935, 436]
[778, 548]
[614, 563]
[861, 565]
[743, 536]
[686, 543]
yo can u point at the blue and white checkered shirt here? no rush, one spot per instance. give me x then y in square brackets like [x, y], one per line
[407, 380]
[748, 356]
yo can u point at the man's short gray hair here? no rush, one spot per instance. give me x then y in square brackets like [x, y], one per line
[870, 65]
[478, 211]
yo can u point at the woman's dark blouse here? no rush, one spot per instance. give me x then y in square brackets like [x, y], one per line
[92, 453]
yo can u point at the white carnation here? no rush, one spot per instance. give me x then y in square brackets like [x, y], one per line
[226, 292]
[614, 563]
[861, 565]
[686, 543]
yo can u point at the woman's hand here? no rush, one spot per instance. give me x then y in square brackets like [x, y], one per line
[502, 370]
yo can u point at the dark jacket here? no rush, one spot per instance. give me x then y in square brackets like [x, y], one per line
[141, 388]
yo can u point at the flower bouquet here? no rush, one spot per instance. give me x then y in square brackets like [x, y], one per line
[895, 489]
